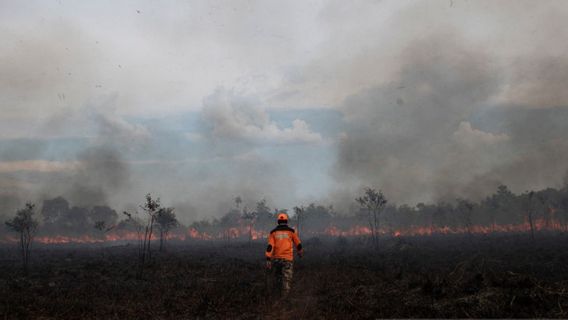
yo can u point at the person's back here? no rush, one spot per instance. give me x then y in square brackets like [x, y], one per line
[280, 252]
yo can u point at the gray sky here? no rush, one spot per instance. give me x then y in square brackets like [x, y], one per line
[296, 101]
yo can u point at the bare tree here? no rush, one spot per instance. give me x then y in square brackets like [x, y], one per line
[151, 207]
[138, 225]
[166, 220]
[373, 202]
[25, 224]
[530, 213]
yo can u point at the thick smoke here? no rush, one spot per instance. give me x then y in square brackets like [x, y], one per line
[89, 170]
[436, 132]
[439, 99]
[408, 137]
[102, 173]
[538, 152]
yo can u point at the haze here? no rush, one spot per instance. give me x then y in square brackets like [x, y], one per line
[299, 101]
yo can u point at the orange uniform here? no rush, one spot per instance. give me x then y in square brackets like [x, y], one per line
[281, 242]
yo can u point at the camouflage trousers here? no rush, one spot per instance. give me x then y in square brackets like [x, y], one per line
[283, 271]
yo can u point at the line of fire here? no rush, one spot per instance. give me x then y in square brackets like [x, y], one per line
[501, 212]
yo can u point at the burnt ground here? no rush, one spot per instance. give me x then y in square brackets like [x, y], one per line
[497, 276]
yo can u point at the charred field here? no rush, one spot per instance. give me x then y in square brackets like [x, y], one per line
[442, 276]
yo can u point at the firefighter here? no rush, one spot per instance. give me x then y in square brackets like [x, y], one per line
[280, 252]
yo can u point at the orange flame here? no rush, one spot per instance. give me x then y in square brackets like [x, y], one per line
[246, 231]
[538, 225]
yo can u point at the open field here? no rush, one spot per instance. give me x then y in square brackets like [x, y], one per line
[440, 276]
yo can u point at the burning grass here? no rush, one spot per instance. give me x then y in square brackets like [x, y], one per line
[243, 233]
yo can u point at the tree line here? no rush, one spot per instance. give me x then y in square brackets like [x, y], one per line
[545, 209]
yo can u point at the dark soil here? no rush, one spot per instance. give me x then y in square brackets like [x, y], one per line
[497, 276]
